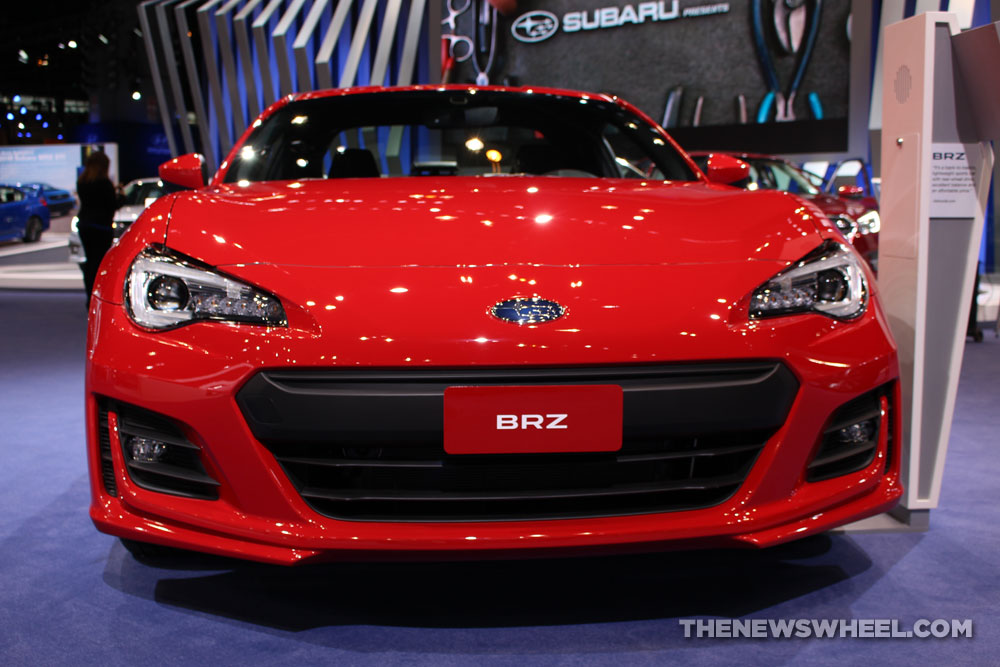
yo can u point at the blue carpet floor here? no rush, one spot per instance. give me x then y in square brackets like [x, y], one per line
[70, 595]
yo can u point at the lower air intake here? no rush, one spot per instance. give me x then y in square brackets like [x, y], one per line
[104, 446]
[369, 445]
[159, 457]
[850, 442]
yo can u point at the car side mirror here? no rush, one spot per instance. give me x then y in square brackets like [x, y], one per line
[851, 191]
[726, 169]
[188, 171]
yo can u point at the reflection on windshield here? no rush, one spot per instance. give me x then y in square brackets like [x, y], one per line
[777, 175]
[455, 133]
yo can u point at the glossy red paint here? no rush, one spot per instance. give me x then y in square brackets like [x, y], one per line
[400, 274]
[473, 221]
[847, 204]
[722, 168]
[186, 170]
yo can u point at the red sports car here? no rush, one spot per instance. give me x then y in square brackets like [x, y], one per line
[442, 322]
[855, 215]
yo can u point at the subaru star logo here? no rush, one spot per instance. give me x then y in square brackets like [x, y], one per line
[535, 26]
[528, 310]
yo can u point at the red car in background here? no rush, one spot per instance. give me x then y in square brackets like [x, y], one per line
[855, 214]
[441, 322]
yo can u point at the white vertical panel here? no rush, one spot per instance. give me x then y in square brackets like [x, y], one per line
[300, 49]
[226, 49]
[262, 40]
[892, 12]
[324, 74]
[926, 264]
[361, 31]
[241, 30]
[210, 54]
[170, 64]
[194, 81]
[411, 45]
[154, 67]
[387, 36]
[279, 38]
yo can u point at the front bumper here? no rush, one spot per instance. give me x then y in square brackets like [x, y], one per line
[260, 514]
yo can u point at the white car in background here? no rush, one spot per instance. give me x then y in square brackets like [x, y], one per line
[135, 197]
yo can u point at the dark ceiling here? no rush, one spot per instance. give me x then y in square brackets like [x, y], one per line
[36, 28]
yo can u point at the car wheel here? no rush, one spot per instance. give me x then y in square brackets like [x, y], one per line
[33, 230]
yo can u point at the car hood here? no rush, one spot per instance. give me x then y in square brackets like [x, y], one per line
[831, 205]
[488, 221]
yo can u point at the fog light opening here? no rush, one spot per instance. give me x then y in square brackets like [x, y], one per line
[855, 434]
[146, 450]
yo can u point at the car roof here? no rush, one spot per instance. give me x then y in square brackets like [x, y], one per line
[358, 90]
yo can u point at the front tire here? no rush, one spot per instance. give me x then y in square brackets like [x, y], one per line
[33, 230]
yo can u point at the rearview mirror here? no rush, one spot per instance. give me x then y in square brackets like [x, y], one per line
[726, 169]
[188, 171]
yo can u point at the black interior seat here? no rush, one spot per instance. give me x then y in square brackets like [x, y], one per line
[354, 163]
[540, 159]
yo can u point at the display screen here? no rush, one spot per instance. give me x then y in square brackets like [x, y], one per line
[717, 74]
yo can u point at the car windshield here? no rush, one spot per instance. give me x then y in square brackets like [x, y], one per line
[777, 175]
[138, 192]
[455, 132]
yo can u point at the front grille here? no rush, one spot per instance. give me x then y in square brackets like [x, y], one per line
[368, 445]
[104, 447]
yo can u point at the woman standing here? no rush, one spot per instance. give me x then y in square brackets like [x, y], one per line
[98, 202]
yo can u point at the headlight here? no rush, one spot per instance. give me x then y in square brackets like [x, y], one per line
[74, 225]
[870, 223]
[164, 291]
[828, 280]
[846, 224]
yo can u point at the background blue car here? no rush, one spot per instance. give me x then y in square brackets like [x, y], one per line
[23, 214]
[60, 201]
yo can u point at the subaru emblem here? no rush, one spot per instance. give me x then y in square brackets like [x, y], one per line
[535, 26]
[528, 310]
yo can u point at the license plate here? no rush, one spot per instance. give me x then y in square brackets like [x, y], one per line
[532, 419]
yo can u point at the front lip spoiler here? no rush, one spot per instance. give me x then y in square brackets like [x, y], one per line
[107, 517]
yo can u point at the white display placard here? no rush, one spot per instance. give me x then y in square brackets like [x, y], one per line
[953, 181]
